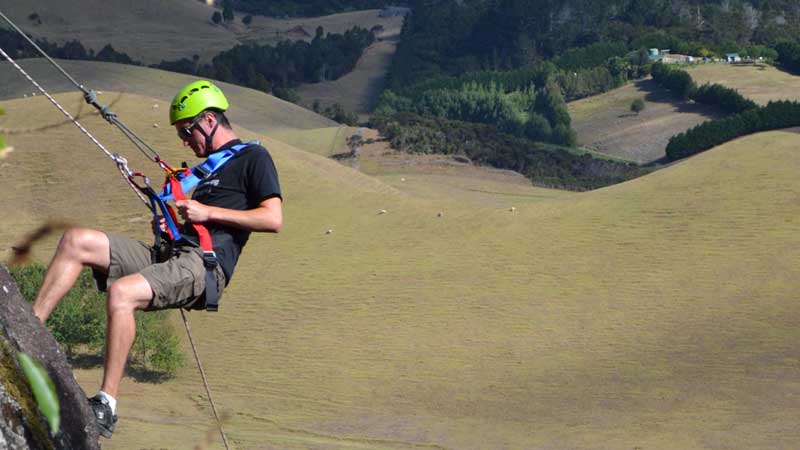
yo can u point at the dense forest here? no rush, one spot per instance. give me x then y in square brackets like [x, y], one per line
[450, 37]
[511, 64]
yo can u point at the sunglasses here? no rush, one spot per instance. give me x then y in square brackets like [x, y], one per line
[185, 133]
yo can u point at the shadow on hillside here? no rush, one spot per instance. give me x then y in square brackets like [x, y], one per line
[658, 94]
[87, 361]
[143, 375]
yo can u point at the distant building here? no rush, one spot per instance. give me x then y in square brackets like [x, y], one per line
[732, 57]
[656, 55]
[394, 11]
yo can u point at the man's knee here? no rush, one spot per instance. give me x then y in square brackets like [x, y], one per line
[88, 246]
[128, 294]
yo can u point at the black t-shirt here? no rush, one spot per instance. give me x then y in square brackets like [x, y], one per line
[246, 180]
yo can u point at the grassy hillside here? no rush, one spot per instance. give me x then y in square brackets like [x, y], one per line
[155, 30]
[760, 83]
[657, 313]
[251, 109]
[358, 91]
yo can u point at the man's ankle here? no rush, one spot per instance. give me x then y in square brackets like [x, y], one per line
[112, 402]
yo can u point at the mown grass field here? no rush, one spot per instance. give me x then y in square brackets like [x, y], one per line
[760, 83]
[655, 314]
[605, 123]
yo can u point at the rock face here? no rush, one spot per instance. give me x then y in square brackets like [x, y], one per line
[22, 426]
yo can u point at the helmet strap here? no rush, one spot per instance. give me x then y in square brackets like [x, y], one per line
[209, 137]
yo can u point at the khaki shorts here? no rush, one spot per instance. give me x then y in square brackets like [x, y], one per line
[178, 282]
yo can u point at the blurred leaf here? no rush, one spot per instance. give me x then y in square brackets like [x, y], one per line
[44, 390]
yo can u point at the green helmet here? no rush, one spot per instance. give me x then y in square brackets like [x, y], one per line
[195, 98]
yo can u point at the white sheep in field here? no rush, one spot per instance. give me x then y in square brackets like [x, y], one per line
[329, 232]
[512, 209]
[383, 211]
[440, 214]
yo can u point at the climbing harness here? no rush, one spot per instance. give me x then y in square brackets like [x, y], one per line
[181, 181]
[177, 183]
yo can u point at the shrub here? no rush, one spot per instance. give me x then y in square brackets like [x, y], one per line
[286, 93]
[336, 112]
[637, 106]
[157, 346]
[80, 318]
[79, 322]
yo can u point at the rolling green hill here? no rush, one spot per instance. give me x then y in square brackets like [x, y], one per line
[658, 313]
[254, 110]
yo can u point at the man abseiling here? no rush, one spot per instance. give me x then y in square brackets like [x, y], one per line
[240, 197]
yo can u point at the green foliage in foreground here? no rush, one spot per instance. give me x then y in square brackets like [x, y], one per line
[44, 391]
[80, 318]
[545, 165]
[79, 323]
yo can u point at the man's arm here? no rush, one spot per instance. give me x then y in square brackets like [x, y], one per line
[267, 216]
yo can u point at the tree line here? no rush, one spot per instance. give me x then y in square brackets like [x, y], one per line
[789, 56]
[544, 164]
[526, 111]
[773, 116]
[278, 69]
[17, 47]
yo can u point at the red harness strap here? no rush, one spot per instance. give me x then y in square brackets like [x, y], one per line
[202, 231]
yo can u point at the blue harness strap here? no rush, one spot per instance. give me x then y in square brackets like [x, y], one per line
[189, 179]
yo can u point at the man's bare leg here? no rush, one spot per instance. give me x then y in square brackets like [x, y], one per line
[125, 296]
[78, 247]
